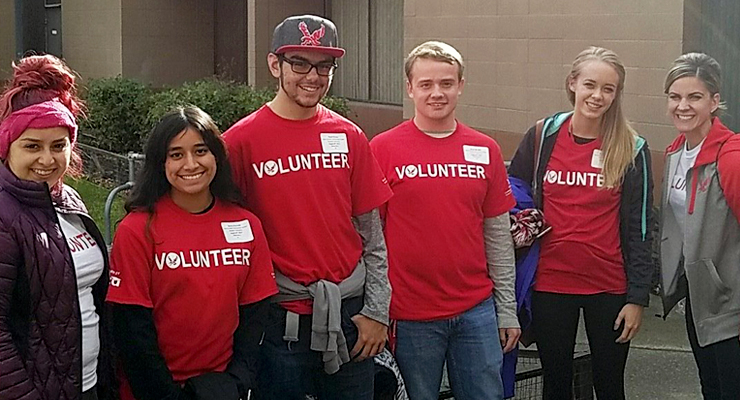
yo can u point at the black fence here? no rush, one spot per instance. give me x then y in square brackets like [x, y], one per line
[529, 377]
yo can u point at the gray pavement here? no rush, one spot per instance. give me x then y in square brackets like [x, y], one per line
[660, 365]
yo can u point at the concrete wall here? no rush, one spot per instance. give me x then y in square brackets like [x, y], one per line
[91, 37]
[263, 16]
[162, 42]
[375, 118]
[167, 42]
[7, 37]
[518, 53]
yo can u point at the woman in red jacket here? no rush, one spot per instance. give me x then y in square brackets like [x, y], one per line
[190, 271]
[700, 223]
[53, 263]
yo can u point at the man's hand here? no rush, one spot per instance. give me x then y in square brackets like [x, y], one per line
[631, 315]
[509, 338]
[371, 337]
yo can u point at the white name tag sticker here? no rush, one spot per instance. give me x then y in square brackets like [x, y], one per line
[237, 232]
[476, 154]
[334, 143]
[596, 159]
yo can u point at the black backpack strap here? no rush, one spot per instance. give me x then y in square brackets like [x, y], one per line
[536, 159]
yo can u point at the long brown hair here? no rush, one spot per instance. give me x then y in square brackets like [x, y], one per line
[618, 139]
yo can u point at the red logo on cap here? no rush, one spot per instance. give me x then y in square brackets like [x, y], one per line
[311, 38]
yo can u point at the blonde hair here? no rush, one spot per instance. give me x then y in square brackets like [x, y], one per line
[702, 67]
[617, 136]
[437, 51]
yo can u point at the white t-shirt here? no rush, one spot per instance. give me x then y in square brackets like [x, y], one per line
[677, 190]
[89, 264]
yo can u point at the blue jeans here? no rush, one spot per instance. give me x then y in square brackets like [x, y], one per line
[468, 342]
[295, 372]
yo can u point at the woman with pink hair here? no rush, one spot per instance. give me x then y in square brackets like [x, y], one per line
[53, 260]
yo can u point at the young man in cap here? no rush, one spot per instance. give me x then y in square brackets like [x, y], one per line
[309, 175]
[450, 252]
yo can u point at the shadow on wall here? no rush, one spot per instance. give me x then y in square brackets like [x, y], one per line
[375, 118]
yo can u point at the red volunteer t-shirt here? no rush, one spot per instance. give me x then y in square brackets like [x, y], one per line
[194, 272]
[306, 180]
[443, 189]
[582, 254]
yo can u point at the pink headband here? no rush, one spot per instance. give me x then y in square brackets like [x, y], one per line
[49, 114]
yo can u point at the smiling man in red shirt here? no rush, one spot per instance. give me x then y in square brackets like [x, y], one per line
[309, 175]
[450, 251]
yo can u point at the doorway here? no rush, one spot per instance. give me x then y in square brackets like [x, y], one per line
[53, 27]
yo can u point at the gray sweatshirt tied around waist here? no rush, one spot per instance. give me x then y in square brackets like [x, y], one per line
[326, 324]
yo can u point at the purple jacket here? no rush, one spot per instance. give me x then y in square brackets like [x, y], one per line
[40, 328]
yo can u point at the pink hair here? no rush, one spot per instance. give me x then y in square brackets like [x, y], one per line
[37, 79]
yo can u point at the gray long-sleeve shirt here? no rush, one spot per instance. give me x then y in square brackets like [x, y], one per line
[375, 255]
[501, 268]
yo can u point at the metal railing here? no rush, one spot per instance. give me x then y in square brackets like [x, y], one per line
[110, 170]
[132, 158]
[104, 167]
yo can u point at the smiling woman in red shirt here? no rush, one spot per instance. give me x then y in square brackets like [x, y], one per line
[590, 174]
[190, 271]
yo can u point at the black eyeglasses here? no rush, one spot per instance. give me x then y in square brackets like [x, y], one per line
[304, 67]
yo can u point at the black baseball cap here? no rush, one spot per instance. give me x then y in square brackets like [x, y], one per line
[306, 33]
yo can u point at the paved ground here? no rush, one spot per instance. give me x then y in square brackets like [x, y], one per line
[661, 374]
[660, 365]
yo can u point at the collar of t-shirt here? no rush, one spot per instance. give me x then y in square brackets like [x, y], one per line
[209, 208]
[579, 139]
[690, 154]
[438, 134]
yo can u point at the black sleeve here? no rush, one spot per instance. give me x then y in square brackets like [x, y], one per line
[639, 266]
[522, 165]
[145, 368]
[243, 366]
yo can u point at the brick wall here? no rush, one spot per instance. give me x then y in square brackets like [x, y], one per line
[518, 53]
